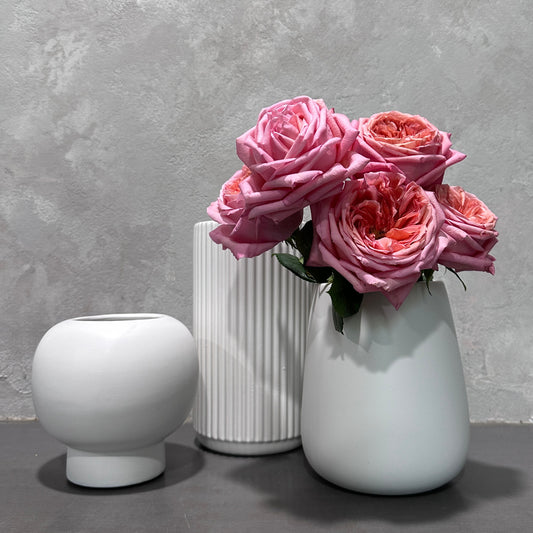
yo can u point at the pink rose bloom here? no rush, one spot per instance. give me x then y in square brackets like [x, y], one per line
[380, 233]
[245, 237]
[469, 226]
[230, 203]
[410, 143]
[299, 152]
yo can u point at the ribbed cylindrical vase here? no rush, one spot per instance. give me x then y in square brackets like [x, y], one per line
[249, 323]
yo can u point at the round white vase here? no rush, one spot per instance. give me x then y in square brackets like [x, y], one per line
[112, 387]
[384, 407]
[250, 323]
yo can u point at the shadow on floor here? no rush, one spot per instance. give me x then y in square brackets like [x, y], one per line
[182, 462]
[289, 483]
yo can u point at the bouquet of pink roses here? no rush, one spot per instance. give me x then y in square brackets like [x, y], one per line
[381, 217]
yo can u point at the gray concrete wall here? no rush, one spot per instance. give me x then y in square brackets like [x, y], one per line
[118, 121]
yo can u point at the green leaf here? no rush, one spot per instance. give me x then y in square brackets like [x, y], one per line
[454, 272]
[427, 276]
[346, 301]
[295, 265]
[302, 239]
[320, 274]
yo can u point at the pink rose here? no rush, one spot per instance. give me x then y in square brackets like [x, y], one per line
[469, 226]
[379, 233]
[230, 203]
[245, 237]
[299, 152]
[408, 142]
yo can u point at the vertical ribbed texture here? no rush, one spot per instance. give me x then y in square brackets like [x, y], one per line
[249, 322]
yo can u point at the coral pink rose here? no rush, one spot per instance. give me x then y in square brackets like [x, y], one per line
[469, 226]
[299, 152]
[380, 233]
[409, 142]
[245, 237]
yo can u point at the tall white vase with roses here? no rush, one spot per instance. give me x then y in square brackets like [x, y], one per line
[384, 401]
[251, 316]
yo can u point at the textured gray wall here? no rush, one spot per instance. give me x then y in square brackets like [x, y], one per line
[118, 120]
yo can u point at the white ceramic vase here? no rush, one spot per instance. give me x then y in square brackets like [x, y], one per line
[250, 321]
[112, 387]
[384, 405]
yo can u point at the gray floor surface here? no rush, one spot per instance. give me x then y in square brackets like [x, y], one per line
[205, 491]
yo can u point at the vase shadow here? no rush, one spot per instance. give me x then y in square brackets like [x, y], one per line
[370, 334]
[300, 492]
[288, 342]
[182, 462]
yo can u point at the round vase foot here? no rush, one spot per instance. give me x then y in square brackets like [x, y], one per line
[249, 448]
[115, 469]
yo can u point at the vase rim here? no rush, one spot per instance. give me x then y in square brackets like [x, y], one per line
[118, 317]
[206, 223]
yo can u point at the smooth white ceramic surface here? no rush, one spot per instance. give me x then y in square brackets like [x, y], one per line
[384, 406]
[112, 387]
[249, 322]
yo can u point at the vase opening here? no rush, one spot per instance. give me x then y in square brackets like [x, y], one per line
[116, 318]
